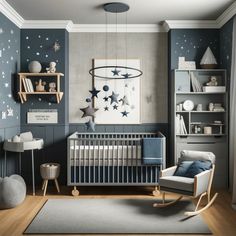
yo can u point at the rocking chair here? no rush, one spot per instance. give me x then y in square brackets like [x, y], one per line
[178, 179]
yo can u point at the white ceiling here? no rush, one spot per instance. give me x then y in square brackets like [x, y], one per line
[141, 11]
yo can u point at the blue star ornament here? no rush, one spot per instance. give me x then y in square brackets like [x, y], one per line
[105, 99]
[124, 113]
[126, 76]
[115, 107]
[94, 92]
[90, 125]
[115, 72]
[114, 97]
[106, 108]
[88, 111]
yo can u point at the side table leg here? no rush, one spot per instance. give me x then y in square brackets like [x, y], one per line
[5, 164]
[20, 163]
[33, 182]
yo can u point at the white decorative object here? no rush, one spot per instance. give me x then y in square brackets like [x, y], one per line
[114, 116]
[42, 116]
[199, 107]
[186, 65]
[214, 89]
[188, 105]
[207, 130]
[211, 106]
[208, 60]
[52, 87]
[52, 67]
[10, 112]
[16, 139]
[196, 86]
[4, 115]
[34, 67]
[212, 82]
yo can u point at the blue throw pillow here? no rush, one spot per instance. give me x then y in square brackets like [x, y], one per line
[182, 168]
[197, 167]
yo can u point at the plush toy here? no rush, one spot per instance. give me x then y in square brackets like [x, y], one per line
[212, 82]
[52, 87]
[52, 67]
[40, 86]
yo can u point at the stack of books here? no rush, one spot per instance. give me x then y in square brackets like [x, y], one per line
[197, 87]
[27, 84]
[180, 125]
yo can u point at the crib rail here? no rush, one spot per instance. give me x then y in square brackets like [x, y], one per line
[110, 159]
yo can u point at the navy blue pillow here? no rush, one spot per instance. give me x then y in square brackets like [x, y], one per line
[182, 168]
[197, 167]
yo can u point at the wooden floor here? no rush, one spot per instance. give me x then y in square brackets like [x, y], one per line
[220, 218]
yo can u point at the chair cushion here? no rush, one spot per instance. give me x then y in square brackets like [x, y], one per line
[197, 167]
[182, 168]
[187, 155]
[177, 182]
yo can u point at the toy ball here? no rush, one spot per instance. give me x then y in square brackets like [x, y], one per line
[34, 67]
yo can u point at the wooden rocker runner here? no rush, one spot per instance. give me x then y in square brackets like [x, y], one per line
[197, 186]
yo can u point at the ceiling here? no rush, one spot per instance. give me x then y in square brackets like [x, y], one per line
[141, 11]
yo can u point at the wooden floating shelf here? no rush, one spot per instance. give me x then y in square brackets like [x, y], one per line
[197, 93]
[23, 94]
[200, 111]
[192, 135]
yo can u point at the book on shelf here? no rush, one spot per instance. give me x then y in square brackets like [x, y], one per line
[196, 86]
[25, 85]
[180, 125]
[30, 85]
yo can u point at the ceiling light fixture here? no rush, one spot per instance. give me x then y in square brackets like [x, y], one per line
[119, 71]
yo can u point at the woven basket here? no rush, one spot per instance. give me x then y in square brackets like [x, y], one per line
[50, 170]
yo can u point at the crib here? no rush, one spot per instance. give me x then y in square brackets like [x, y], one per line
[111, 159]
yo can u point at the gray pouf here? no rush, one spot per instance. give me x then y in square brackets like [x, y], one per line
[12, 191]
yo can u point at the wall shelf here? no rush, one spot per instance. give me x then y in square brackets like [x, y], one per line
[49, 77]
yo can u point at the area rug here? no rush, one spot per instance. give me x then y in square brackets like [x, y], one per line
[114, 216]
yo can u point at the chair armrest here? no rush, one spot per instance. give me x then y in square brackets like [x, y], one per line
[168, 171]
[201, 182]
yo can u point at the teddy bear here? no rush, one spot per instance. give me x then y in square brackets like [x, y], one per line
[212, 82]
[52, 87]
[52, 67]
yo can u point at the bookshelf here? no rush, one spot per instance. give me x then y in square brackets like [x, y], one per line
[206, 125]
[27, 85]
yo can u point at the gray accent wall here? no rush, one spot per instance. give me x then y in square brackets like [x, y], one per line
[150, 48]
[9, 66]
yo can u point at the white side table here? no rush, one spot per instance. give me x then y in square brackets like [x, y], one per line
[21, 147]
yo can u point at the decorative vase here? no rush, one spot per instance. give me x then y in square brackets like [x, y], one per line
[34, 67]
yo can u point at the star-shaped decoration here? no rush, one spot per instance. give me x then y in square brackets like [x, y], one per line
[115, 72]
[114, 97]
[90, 125]
[126, 85]
[106, 108]
[115, 107]
[124, 113]
[88, 111]
[126, 76]
[94, 92]
[124, 101]
[105, 99]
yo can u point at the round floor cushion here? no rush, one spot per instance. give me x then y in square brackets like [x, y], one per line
[12, 191]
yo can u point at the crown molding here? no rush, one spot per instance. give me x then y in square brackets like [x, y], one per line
[7, 10]
[47, 24]
[190, 24]
[226, 15]
[18, 20]
[130, 28]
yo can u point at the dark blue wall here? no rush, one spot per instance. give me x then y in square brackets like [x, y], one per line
[226, 46]
[191, 44]
[36, 45]
[9, 67]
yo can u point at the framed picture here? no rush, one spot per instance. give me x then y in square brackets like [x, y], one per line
[119, 99]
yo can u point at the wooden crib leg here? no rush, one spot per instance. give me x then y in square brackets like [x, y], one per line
[75, 192]
[156, 191]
